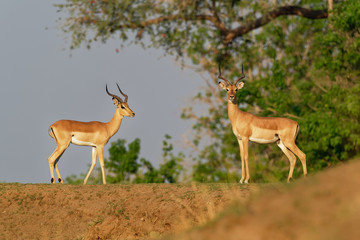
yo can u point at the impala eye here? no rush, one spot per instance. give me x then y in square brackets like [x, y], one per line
[227, 89]
[236, 90]
[122, 107]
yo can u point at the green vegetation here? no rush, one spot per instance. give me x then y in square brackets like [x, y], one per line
[124, 165]
[301, 61]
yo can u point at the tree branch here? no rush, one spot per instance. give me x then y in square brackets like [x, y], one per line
[279, 11]
[231, 34]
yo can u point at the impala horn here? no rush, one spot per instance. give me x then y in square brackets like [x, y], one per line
[113, 95]
[126, 96]
[221, 77]
[242, 75]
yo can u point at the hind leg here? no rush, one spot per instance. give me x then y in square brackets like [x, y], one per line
[302, 156]
[53, 161]
[57, 168]
[290, 156]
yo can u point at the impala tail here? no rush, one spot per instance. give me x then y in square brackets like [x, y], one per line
[51, 133]
[297, 130]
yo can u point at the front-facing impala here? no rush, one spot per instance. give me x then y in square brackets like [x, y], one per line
[94, 134]
[248, 127]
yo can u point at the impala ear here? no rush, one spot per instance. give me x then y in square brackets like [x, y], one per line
[222, 85]
[115, 101]
[240, 85]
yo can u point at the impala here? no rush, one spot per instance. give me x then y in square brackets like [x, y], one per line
[248, 127]
[94, 134]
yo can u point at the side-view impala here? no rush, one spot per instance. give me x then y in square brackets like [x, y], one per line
[94, 134]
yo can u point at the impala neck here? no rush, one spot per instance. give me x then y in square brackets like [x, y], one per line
[114, 124]
[233, 111]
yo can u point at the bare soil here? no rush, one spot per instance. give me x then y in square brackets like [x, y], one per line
[324, 206]
[141, 211]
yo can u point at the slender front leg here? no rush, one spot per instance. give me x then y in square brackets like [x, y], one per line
[93, 163]
[245, 142]
[102, 163]
[242, 160]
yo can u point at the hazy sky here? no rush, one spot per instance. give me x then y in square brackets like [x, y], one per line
[42, 81]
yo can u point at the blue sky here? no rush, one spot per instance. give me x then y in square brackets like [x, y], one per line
[42, 81]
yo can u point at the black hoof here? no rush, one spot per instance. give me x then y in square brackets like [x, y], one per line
[59, 179]
[52, 180]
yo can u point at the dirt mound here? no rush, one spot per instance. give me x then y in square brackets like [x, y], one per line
[326, 206]
[44, 211]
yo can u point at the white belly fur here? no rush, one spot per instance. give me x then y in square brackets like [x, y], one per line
[259, 140]
[258, 135]
[81, 143]
[264, 141]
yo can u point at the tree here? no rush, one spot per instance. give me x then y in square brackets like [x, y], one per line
[170, 170]
[300, 63]
[122, 162]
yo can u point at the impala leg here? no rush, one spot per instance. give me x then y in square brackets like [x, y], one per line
[57, 168]
[302, 156]
[102, 163]
[53, 161]
[93, 163]
[246, 158]
[242, 160]
[290, 156]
